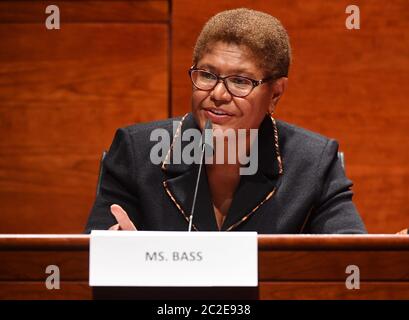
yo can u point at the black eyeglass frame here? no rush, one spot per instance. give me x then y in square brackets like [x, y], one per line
[254, 82]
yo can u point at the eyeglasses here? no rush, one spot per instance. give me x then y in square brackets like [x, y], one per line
[237, 86]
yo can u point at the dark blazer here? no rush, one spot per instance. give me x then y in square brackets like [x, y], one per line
[300, 185]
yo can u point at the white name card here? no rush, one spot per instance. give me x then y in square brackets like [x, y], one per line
[174, 259]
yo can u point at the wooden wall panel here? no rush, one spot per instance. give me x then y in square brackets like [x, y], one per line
[87, 11]
[349, 85]
[63, 93]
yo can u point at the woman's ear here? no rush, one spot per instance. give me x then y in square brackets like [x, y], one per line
[279, 86]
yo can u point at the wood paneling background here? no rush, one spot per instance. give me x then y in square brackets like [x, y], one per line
[62, 95]
[64, 92]
[351, 85]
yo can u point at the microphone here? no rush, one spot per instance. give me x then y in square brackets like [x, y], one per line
[207, 143]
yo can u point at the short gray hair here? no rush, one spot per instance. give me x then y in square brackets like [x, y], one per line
[262, 33]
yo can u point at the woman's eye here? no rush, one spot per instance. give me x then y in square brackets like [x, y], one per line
[208, 76]
[240, 81]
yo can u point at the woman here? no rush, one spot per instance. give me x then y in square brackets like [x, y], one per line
[239, 73]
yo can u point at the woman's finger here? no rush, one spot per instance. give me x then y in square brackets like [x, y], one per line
[122, 217]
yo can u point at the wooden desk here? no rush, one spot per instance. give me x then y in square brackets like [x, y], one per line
[290, 267]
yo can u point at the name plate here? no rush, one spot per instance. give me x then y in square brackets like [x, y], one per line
[174, 259]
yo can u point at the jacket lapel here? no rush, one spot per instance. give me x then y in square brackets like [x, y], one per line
[252, 192]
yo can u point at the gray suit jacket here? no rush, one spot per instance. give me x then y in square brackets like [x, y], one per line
[300, 185]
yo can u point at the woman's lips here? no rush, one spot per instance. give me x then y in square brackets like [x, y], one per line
[218, 116]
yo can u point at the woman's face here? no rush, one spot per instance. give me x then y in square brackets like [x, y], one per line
[248, 112]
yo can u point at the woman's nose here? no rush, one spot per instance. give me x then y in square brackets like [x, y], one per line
[220, 92]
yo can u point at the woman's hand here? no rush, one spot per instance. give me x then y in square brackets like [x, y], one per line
[124, 223]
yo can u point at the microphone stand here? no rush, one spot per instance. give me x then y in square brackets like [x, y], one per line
[205, 141]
